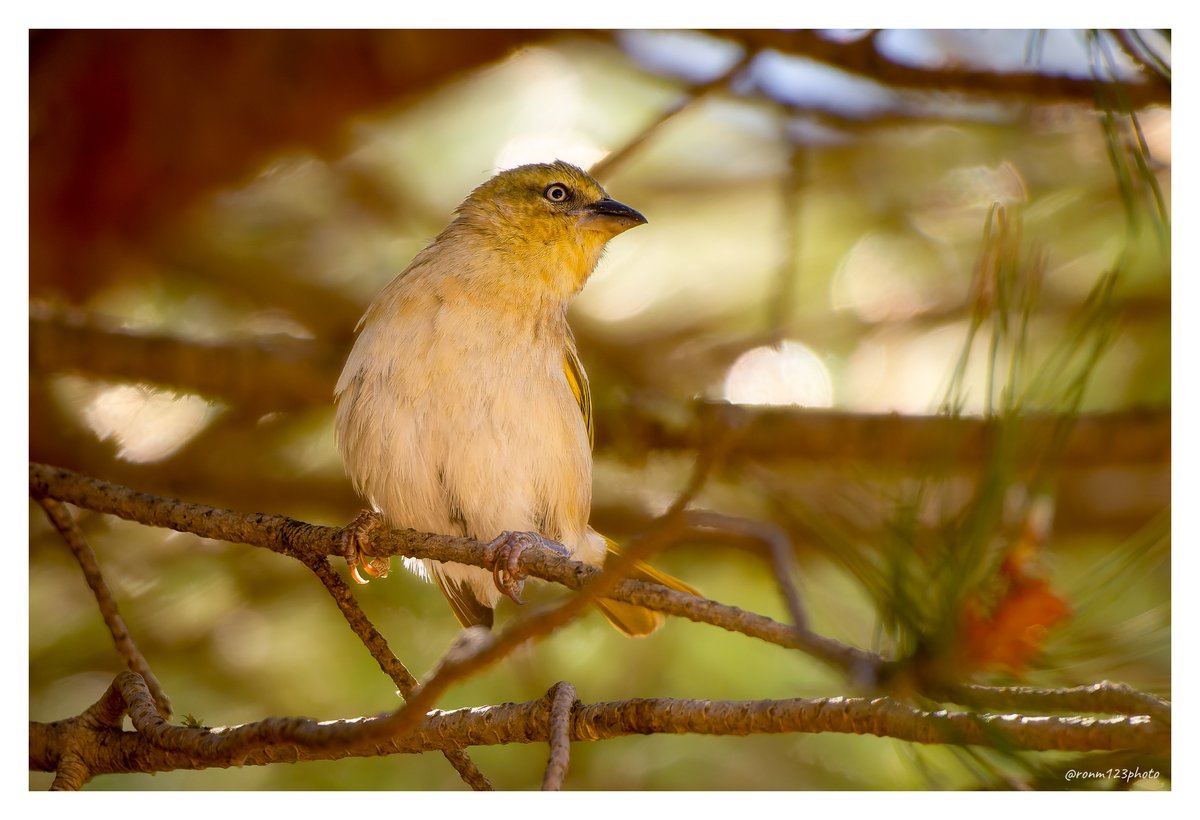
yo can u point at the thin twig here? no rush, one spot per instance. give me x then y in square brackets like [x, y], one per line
[781, 305]
[64, 522]
[392, 666]
[720, 427]
[560, 701]
[371, 637]
[1137, 50]
[696, 93]
[779, 547]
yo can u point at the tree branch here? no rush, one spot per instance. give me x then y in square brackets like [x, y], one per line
[64, 522]
[836, 437]
[74, 751]
[309, 543]
[285, 373]
[279, 373]
[1104, 697]
[861, 57]
[155, 746]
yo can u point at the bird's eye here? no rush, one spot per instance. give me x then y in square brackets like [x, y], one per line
[557, 193]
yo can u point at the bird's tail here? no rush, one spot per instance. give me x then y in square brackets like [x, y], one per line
[636, 621]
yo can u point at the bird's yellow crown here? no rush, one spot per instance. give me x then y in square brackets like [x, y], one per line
[528, 194]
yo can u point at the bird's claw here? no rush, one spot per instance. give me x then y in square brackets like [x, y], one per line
[503, 554]
[355, 538]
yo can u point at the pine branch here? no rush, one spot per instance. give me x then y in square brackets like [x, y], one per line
[79, 748]
[310, 543]
[98, 746]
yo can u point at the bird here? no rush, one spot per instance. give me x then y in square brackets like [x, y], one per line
[463, 408]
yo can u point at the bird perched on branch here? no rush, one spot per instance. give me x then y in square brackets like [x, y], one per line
[463, 408]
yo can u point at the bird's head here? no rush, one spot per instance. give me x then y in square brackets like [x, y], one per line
[551, 218]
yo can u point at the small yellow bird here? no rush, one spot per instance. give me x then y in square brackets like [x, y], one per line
[463, 408]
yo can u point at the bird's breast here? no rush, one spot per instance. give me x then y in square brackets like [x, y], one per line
[451, 420]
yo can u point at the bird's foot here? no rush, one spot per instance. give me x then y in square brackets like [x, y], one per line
[355, 539]
[503, 555]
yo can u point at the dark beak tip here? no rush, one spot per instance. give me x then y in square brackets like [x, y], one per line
[610, 207]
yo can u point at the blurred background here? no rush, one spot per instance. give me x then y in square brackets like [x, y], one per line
[933, 267]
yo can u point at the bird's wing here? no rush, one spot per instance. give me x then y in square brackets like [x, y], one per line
[634, 621]
[578, 382]
[469, 610]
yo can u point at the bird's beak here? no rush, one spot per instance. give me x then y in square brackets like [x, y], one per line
[610, 216]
